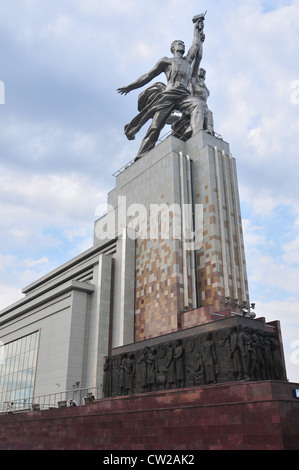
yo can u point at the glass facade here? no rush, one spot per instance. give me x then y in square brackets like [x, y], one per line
[17, 371]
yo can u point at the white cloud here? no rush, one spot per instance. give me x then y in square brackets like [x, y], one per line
[261, 200]
[17, 272]
[106, 8]
[291, 251]
[269, 266]
[6, 260]
[46, 215]
[58, 28]
[9, 295]
[253, 234]
[32, 263]
[73, 232]
[256, 67]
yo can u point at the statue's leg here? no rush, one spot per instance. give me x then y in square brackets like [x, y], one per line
[195, 108]
[152, 135]
[206, 118]
[210, 122]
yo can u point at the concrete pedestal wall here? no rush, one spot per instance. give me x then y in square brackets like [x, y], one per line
[221, 262]
[153, 180]
[150, 198]
[234, 416]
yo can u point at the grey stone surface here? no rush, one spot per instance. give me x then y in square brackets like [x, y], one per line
[228, 350]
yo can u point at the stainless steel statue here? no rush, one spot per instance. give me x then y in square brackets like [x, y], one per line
[159, 101]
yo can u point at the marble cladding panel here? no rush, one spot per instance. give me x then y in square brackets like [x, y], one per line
[221, 266]
[158, 288]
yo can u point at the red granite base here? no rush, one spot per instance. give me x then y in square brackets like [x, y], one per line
[233, 416]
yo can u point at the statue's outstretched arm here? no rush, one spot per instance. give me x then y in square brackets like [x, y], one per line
[198, 58]
[146, 78]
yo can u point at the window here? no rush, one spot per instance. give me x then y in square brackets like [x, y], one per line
[17, 371]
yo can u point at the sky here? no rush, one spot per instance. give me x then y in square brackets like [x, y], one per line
[62, 139]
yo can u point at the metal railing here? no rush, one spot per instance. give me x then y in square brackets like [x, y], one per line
[161, 139]
[77, 396]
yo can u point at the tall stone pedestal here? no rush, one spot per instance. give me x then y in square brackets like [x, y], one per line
[177, 189]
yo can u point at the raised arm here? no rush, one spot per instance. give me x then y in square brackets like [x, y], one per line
[198, 58]
[198, 39]
[146, 78]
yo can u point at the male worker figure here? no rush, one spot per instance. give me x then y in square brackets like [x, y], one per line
[158, 102]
